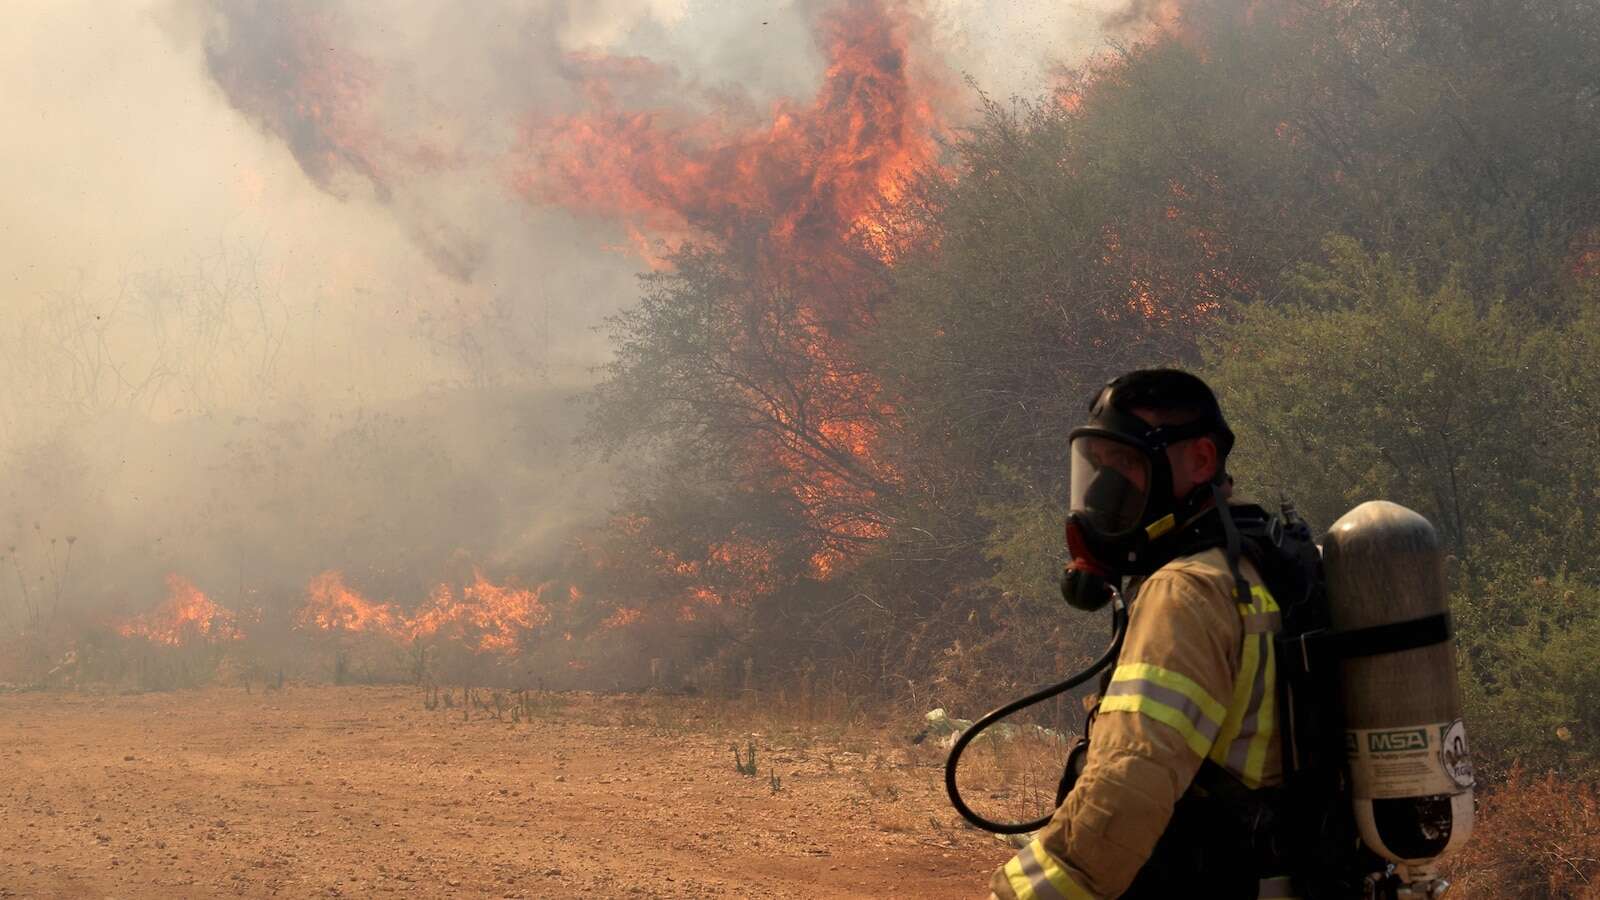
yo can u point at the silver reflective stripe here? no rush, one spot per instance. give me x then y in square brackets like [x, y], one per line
[1280, 888]
[1042, 888]
[1239, 750]
[1168, 697]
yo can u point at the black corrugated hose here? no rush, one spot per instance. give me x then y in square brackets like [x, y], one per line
[1119, 628]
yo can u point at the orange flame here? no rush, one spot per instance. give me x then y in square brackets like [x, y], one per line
[278, 64]
[800, 189]
[186, 616]
[332, 606]
[834, 471]
[489, 617]
[808, 178]
[622, 618]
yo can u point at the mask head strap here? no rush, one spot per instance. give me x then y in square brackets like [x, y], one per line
[1105, 415]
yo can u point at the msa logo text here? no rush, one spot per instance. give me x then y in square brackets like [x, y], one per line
[1390, 741]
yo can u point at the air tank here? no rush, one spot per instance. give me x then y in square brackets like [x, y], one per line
[1410, 770]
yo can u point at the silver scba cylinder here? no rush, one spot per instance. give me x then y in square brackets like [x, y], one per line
[1410, 770]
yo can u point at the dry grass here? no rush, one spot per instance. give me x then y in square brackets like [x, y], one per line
[1014, 779]
[1536, 838]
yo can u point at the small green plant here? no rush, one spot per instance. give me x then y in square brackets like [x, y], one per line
[745, 765]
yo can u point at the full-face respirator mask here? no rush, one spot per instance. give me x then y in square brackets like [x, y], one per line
[1122, 514]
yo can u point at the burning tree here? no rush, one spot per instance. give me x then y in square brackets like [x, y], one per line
[741, 378]
[332, 606]
[737, 377]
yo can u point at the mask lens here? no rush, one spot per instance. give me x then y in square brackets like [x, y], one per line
[1110, 483]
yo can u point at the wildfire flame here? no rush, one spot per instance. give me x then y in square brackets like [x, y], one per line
[486, 617]
[833, 469]
[288, 67]
[332, 606]
[186, 616]
[808, 178]
[489, 617]
[807, 186]
[622, 618]
[277, 64]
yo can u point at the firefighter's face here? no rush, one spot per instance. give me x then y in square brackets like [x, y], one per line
[1123, 459]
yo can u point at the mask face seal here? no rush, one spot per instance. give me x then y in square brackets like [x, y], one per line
[1086, 584]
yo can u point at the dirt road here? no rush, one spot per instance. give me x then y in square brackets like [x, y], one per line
[324, 791]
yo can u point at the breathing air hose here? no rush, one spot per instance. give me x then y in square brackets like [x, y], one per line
[1119, 628]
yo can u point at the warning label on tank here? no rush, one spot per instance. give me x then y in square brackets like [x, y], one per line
[1419, 761]
[1457, 761]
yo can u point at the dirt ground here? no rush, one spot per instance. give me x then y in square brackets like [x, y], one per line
[361, 791]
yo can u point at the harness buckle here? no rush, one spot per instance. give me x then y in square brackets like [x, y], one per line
[1275, 531]
[1304, 642]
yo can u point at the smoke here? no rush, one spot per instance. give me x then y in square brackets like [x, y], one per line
[1140, 13]
[277, 64]
[275, 305]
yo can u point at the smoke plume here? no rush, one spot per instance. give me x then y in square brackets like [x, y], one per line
[299, 287]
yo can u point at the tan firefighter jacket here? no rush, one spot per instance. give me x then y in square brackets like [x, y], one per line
[1195, 680]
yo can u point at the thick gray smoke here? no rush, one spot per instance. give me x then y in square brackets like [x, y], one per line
[273, 305]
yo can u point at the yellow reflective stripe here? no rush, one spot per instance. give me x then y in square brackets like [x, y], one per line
[1241, 700]
[1256, 757]
[1261, 614]
[1240, 750]
[1160, 712]
[1035, 874]
[1171, 680]
[1255, 765]
[1020, 884]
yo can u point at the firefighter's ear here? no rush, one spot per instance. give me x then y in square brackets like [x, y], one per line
[1206, 460]
[1194, 462]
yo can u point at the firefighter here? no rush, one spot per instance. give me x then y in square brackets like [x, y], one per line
[1186, 721]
